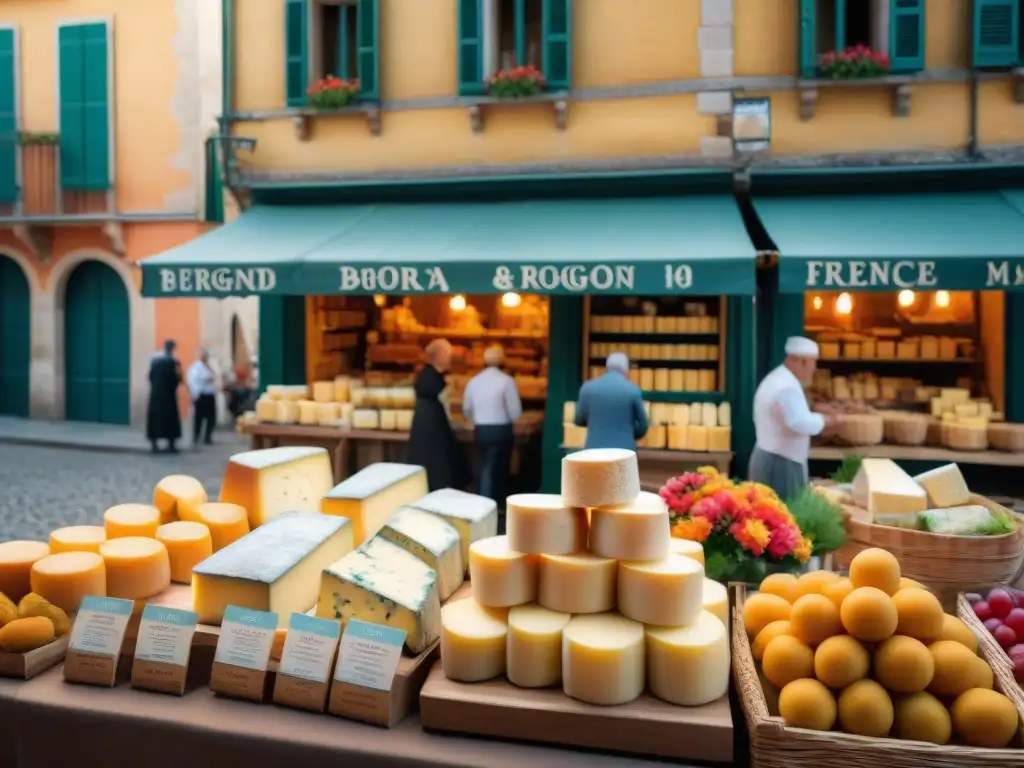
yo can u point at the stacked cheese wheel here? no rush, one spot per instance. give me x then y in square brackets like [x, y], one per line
[875, 655]
[589, 591]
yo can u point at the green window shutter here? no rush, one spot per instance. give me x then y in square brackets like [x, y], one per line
[8, 118]
[84, 107]
[471, 48]
[557, 44]
[906, 35]
[996, 33]
[808, 38]
[367, 45]
[213, 196]
[296, 52]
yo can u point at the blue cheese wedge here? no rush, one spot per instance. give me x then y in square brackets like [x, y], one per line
[474, 517]
[383, 584]
[432, 540]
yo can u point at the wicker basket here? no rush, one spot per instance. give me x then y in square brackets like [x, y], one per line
[775, 745]
[905, 428]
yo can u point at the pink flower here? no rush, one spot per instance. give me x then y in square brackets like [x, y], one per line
[783, 540]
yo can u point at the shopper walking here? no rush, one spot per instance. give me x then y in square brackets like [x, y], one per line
[491, 403]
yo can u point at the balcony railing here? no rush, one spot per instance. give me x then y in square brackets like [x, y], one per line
[34, 159]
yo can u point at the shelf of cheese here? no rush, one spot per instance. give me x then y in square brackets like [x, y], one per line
[854, 346]
[341, 402]
[611, 324]
[677, 427]
[656, 352]
[668, 379]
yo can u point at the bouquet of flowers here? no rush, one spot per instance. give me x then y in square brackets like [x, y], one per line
[332, 93]
[744, 527]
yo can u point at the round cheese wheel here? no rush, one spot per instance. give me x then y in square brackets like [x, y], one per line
[666, 593]
[689, 666]
[541, 524]
[227, 522]
[599, 477]
[472, 641]
[178, 497]
[603, 659]
[78, 538]
[131, 520]
[716, 601]
[692, 549]
[535, 645]
[188, 544]
[638, 530]
[501, 577]
[137, 567]
[65, 578]
[583, 583]
[16, 560]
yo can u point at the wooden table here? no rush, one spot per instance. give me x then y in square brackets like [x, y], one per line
[918, 453]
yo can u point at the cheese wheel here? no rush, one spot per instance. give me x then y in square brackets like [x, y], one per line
[635, 531]
[227, 522]
[535, 645]
[583, 583]
[131, 520]
[603, 659]
[65, 578]
[137, 567]
[689, 666]
[472, 641]
[501, 577]
[177, 497]
[666, 593]
[188, 544]
[691, 549]
[78, 538]
[16, 561]
[541, 524]
[716, 600]
[600, 477]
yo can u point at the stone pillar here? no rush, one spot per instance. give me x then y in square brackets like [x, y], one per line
[715, 41]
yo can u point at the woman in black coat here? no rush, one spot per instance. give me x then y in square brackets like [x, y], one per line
[432, 442]
[162, 419]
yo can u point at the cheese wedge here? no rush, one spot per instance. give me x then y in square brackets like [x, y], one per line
[883, 488]
[945, 486]
[432, 540]
[275, 480]
[370, 496]
[689, 666]
[474, 517]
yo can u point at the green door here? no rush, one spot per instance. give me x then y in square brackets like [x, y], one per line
[97, 346]
[15, 343]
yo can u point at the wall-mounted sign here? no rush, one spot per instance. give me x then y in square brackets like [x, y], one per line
[958, 274]
[751, 124]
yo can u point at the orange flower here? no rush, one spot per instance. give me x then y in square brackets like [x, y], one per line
[802, 551]
[692, 528]
[753, 535]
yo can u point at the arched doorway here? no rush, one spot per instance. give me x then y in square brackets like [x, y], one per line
[15, 338]
[97, 345]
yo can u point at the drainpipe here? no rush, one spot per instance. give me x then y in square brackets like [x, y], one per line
[972, 147]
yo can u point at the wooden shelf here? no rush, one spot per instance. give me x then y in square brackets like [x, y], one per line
[899, 361]
[461, 335]
[662, 338]
[918, 453]
[662, 363]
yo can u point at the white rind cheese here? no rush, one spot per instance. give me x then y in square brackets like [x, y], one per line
[583, 583]
[945, 486]
[638, 530]
[274, 568]
[600, 477]
[473, 641]
[432, 540]
[668, 593]
[474, 517]
[370, 496]
[383, 584]
[275, 480]
[603, 659]
[541, 524]
[883, 488]
[689, 666]
[501, 577]
[535, 646]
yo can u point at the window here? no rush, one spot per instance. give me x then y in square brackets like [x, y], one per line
[496, 34]
[998, 32]
[335, 47]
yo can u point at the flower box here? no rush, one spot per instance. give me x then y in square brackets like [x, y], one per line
[516, 83]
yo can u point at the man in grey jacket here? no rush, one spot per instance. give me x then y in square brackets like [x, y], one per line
[611, 407]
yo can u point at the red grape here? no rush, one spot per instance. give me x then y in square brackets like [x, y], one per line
[993, 624]
[1017, 650]
[1000, 602]
[982, 611]
[1005, 636]
[1015, 621]
[1018, 670]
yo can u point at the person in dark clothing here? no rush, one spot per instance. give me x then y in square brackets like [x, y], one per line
[162, 419]
[432, 442]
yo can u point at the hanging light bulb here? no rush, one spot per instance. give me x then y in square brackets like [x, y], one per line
[457, 302]
[942, 299]
[817, 302]
[844, 304]
[511, 300]
[905, 298]
[379, 300]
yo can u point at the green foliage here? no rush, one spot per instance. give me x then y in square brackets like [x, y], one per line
[819, 519]
[36, 139]
[848, 469]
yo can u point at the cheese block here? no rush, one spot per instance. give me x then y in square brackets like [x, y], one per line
[966, 436]
[366, 418]
[676, 437]
[308, 411]
[883, 488]
[227, 522]
[945, 486]
[599, 477]
[603, 659]
[328, 413]
[473, 641]
[706, 380]
[501, 577]
[954, 396]
[177, 497]
[668, 592]
[137, 567]
[16, 561]
[341, 388]
[568, 412]
[66, 578]
[691, 549]
[696, 415]
[323, 391]
[433, 541]
[716, 600]
[388, 419]
[131, 520]
[689, 666]
[381, 583]
[534, 647]
[725, 415]
[966, 409]
[474, 517]
[709, 417]
[188, 544]
[275, 568]
[540, 523]
[286, 411]
[582, 583]
[266, 409]
[697, 438]
[719, 438]
[77, 538]
[656, 437]
[270, 481]
[403, 420]
[368, 497]
[635, 531]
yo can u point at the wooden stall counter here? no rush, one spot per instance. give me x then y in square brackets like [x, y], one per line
[918, 453]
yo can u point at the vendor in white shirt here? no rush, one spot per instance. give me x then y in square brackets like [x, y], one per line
[784, 423]
[491, 402]
[202, 387]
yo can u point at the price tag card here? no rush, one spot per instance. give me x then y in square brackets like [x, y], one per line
[163, 648]
[243, 653]
[369, 655]
[96, 639]
[306, 660]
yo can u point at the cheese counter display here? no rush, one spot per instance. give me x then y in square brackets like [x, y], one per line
[695, 427]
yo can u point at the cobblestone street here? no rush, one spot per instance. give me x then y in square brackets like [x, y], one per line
[45, 488]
